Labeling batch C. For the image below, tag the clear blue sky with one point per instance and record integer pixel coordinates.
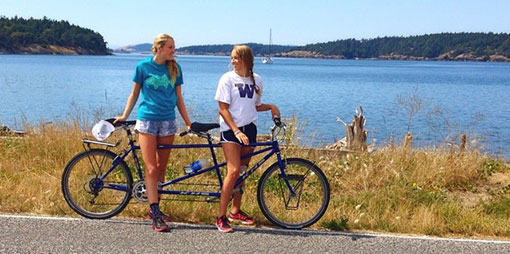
(294, 22)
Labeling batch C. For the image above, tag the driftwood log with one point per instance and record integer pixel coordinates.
(355, 137)
(5, 131)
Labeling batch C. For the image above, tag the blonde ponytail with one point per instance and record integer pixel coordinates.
(173, 70)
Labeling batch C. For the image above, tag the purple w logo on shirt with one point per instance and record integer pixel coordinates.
(245, 89)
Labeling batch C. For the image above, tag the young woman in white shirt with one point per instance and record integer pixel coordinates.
(239, 95)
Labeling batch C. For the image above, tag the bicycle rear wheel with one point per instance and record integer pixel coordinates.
(88, 194)
(297, 211)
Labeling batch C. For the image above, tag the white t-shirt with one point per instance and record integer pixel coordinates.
(239, 93)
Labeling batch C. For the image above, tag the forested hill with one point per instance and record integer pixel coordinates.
(46, 36)
(225, 49)
(443, 46)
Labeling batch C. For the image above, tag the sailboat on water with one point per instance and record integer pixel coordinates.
(268, 59)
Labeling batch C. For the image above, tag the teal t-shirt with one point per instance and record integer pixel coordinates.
(158, 92)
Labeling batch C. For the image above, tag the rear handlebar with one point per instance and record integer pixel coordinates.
(121, 124)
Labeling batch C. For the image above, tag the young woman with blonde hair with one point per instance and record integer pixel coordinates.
(158, 79)
(239, 96)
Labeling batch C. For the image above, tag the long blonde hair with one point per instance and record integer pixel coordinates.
(245, 55)
(160, 41)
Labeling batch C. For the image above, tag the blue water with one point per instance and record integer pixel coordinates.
(318, 91)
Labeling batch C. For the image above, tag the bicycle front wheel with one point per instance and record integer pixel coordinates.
(310, 199)
(89, 192)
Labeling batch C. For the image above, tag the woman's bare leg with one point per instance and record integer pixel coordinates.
(162, 157)
(148, 145)
(236, 201)
(233, 156)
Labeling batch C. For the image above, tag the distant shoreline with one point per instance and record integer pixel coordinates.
(313, 55)
(58, 50)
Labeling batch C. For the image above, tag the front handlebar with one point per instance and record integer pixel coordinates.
(277, 121)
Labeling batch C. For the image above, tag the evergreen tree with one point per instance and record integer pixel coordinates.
(16, 33)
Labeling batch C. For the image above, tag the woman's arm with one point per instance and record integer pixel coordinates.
(133, 97)
(182, 107)
(265, 107)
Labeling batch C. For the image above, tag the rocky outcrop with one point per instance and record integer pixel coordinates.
(471, 57)
(395, 56)
(52, 50)
(448, 56)
(306, 54)
(186, 52)
(499, 58)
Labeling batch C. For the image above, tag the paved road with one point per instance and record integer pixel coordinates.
(31, 234)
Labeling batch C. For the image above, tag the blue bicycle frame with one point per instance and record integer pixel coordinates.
(270, 147)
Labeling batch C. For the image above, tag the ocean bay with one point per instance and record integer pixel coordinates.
(455, 95)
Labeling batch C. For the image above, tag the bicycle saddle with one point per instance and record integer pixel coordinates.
(203, 127)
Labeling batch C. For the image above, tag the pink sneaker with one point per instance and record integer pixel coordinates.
(158, 224)
(165, 217)
(241, 217)
(223, 225)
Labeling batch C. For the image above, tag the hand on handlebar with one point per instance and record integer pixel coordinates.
(277, 121)
(119, 119)
(185, 132)
(275, 112)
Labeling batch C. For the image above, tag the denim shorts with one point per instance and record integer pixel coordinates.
(158, 129)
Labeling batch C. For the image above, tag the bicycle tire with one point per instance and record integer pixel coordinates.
(84, 192)
(312, 194)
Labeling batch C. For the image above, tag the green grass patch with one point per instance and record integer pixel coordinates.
(337, 225)
(499, 207)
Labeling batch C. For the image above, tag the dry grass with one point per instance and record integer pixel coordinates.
(423, 191)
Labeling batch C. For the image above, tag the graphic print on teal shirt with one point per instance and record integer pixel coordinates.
(159, 81)
(158, 97)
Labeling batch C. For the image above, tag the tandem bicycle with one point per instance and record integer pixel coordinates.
(97, 183)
